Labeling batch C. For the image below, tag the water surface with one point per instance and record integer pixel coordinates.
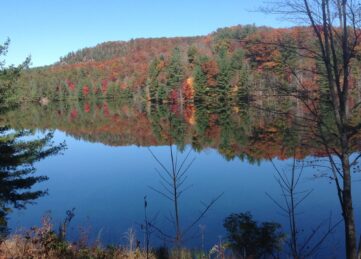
(108, 168)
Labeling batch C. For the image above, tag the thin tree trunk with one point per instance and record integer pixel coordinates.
(175, 199)
(293, 215)
(350, 229)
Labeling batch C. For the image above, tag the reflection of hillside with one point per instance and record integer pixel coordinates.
(242, 132)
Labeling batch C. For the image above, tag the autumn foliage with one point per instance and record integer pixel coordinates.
(225, 65)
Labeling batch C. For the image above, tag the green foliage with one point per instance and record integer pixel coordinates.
(224, 75)
(192, 54)
(200, 83)
(175, 72)
(236, 32)
(249, 239)
(152, 82)
(152, 69)
(8, 76)
(287, 60)
(241, 74)
(162, 93)
(224, 37)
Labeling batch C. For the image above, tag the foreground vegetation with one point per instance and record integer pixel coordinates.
(246, 239)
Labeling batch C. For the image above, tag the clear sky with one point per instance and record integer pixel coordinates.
(49, 29)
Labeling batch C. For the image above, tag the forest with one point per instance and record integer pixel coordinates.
(252, 93)
(229, 65)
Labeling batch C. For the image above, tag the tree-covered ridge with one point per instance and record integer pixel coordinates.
(135, 47)
(198, 76)
(118, 69)
(231, 64)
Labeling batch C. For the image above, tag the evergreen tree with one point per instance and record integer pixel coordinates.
(192, 54)
(17, 157)
(240, 73)
(152, 82)
(8, 76)
(224, 76)
(175, 71)
(200, 83)
(162, 93)
(247, 237)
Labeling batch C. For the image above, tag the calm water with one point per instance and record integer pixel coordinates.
(107, 169)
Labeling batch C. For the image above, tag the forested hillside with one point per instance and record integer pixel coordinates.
(231, 64)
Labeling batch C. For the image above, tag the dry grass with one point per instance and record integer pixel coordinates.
(44, 243)
(19, 246)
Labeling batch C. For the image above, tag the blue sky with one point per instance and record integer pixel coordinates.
(48, 29)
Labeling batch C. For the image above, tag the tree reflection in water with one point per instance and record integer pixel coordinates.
(19, 150)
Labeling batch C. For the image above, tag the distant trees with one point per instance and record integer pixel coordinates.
(224, 75)
(174, 69)
(241, 75)
(152, 69)
(152, 82)
(200, 83)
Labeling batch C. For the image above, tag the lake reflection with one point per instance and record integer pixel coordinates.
(107, 169)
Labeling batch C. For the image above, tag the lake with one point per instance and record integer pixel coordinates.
(110, 165)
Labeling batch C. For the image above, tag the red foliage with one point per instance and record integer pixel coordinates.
(85, 90)
(106, 109)
(210, 68)
(175, 109)
(104, 86)
(73, 113)
(174, 96)
(70, 85)
(87, 107)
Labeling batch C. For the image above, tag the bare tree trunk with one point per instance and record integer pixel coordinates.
(336, 25)
(348, 214)
(293, 214)
(178, 232)
(178, 235)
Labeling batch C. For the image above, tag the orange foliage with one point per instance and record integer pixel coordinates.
(210, 68)
(188, 89)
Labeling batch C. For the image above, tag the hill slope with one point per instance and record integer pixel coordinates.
(228, 64)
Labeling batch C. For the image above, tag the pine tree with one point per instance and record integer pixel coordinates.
(17, 157)
(224, 76)
(192, 54)
(200, 83)
(175, 71)
(8, 76)
(240, 74)
(152, 81)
